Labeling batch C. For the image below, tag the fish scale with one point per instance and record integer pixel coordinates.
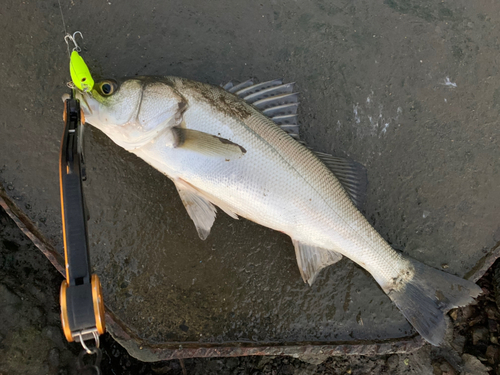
(305, 176)
(223, 152)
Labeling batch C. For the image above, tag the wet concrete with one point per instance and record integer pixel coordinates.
(408, 88)
(31, 338)
(32, 342)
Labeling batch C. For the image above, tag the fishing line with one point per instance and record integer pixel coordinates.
(80, 74)
(64, 25)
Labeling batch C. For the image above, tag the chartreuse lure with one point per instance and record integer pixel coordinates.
(80, 73)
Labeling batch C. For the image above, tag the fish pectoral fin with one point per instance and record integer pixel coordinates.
(199, 209)
(351, 175)
(312, 259)
(206, 144)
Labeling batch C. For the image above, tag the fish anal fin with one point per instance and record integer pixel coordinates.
(351, 175)
(206, 144)
(199, 209)
(312, 259)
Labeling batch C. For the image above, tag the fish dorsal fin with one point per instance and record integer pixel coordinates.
(351, 175)
(312, 259)
(279, 102)
(233, 88)
(275, 99)
(199, 209)
(206, 144)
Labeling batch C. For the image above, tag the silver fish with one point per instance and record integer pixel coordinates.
(236, 148)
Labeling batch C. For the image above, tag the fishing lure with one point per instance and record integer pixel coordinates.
(80, 73)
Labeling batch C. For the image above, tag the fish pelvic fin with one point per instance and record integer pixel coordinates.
(199, 209)
(428, 296)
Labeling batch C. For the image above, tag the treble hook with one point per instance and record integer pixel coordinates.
(73, 39)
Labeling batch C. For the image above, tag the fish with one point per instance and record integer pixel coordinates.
(236, 147)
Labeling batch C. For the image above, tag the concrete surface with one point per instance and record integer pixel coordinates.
(408, 88)
(32, 342)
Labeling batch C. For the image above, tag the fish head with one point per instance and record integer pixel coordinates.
(131, 112)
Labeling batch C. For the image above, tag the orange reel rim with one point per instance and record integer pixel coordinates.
(98, 305)
(64, 312)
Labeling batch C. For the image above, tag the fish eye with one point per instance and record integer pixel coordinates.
(107, 87)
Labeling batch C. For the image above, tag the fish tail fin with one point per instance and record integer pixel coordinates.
(425, 299)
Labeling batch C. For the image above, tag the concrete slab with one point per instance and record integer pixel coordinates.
(409, 89)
